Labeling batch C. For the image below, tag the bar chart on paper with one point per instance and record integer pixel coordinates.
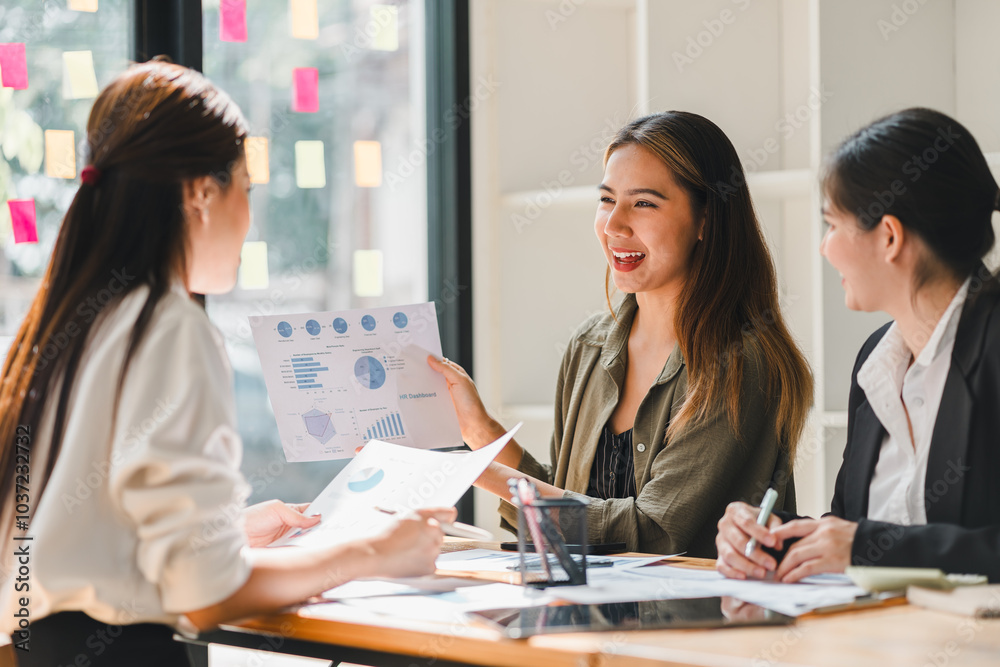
(306, 372)
(387, 428)
(338, 380)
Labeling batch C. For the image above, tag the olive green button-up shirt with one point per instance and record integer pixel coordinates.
(684, 484)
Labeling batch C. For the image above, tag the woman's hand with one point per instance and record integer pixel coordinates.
(478, 428)
(736, 527)
(825, 547)
(412, 545)
(267, 521)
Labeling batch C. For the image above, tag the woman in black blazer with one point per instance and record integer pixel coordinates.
(908, 201)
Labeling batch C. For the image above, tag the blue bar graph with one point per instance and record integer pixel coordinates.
(296, 360)
(390, 426)
(310, 386)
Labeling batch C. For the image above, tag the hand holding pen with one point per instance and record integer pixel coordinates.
(741, 530)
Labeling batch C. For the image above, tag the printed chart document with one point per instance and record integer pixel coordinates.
(395, 478)
(337, 380)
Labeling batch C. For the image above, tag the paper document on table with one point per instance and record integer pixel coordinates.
(370, 588)
(484, 560)
(669, 583)
(452, 607)
(338, 380)
(391, 477)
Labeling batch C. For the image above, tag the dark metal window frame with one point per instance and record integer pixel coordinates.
(174, 28)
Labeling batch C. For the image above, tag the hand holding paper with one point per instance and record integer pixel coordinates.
(400, 479)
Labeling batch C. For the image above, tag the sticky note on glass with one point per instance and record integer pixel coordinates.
(233, 20)
(22, 220)
(385, 20)
(79, 80)
(13, 66)
(310, 165)
(305, 89)
(83, 5)
(304, 19)
(60, 154)
(368, 273)
(257, 159)
(253, 265)
(367, 164)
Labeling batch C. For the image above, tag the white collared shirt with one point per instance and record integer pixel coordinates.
(896, 493)
(141, 518)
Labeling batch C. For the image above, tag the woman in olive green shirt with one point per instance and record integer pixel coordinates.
(690, 394)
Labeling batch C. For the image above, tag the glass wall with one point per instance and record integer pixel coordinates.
(336, 100)
(67, 55)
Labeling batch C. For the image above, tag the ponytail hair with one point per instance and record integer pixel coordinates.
(153, 128)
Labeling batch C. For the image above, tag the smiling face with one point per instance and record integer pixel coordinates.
(644, 223)
(855, 253)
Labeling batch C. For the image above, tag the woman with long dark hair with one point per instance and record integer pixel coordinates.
(908, 202)
(117, 411)
(691, 393)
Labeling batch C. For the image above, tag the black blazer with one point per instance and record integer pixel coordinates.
(962, 487)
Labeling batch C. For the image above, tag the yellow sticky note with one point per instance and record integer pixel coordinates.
(310, 165)
(368, 273)
(257, 159)
(60, 154)
(304, 19)
(367, 164)
(83, 5)
(385, 21)
(253, 265)
(79, 80)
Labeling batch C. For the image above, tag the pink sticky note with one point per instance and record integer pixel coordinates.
(306, 90)
(22, 217)
(233, 20)
(13, 66)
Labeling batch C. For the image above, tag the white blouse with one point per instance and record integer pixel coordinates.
(141, 519)
(890, 381)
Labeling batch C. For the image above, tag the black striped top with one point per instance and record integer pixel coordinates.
(613, 472)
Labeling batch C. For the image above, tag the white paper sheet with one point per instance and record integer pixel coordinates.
(451, 607)
(391, 477)
(337, 380)
(484, 560)
(369, 588)
(666, 583)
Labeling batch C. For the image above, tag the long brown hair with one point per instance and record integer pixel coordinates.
(729, 305)
(154, 127)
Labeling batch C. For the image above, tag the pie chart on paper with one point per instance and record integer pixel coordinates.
(365, 479)
(370, 372)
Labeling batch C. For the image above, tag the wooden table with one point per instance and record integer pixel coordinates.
(894, 635)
